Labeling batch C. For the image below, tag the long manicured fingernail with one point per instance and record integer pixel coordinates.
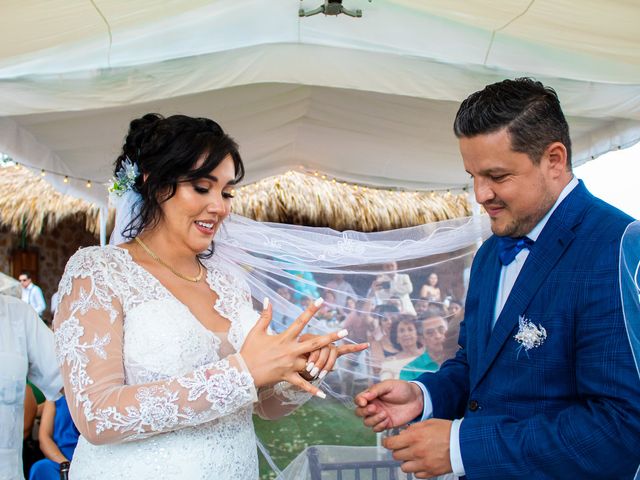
(318, 301)
(323, 374)
(265, 303)
(310, 366)
(343, 333)
(321, 394)
(314, 372)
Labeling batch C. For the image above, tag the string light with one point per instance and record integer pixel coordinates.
(65, 177)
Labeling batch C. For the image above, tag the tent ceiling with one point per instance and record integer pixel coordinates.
(369, 99)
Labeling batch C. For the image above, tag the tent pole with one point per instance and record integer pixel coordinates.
(102, 218)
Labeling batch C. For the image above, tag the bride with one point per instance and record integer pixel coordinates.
(163, 356)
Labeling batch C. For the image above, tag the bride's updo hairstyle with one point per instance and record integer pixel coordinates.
(167, 151)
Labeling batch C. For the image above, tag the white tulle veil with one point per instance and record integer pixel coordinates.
(630, 290)
(372, 284)
(630, 286)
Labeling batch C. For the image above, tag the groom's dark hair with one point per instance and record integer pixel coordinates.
(530, 111)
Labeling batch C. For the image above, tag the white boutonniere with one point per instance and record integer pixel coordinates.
(529, 336)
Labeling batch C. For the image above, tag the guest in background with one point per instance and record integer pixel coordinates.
(455, 306)
(341, 289)
(392, 284)
(26, 351)
(361, 325)
(58, 438)
(32, 294)
(455, 318)
(421, 306)
(304, 286)
(328, 311)
(405, 335)
(431, 290)
(434, 330)
(54, 304)
(381, 345)
(280, 322)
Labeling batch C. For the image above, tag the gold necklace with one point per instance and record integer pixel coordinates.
(162, 262)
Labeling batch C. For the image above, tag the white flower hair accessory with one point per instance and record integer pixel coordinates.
(529, 336)
(124, 180)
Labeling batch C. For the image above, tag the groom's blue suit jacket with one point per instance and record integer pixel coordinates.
(569, 408)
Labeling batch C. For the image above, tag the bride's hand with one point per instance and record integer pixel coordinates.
(321, 361)
(273, 358)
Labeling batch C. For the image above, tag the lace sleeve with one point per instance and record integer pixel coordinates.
(89, 346)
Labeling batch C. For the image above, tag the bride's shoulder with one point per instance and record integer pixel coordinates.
(86, 259)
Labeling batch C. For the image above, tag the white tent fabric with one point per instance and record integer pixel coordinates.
(368, 99)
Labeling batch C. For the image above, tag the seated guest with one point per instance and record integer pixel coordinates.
(431, 290)
(406, 335)
(58, 439)
(433, 329)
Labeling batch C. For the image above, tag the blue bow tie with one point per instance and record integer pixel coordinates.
(510, 247)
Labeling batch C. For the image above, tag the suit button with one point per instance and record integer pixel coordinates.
(474, 405)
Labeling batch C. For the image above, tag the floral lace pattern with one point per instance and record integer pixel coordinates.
(154, 372)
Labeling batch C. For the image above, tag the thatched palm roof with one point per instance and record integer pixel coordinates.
(309, 199)
(294, 197)
(30, 201)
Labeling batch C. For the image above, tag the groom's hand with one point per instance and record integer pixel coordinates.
(389, 404)
(423, 448)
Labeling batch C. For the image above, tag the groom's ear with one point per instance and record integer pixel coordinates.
(556, 159)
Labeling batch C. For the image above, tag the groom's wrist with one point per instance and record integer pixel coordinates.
(423, 405)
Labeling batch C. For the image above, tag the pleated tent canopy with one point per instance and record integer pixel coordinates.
(368, 100)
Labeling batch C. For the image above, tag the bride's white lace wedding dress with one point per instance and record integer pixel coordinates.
(154, 393)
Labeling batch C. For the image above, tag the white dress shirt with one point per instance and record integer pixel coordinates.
(34, 297)
(508, 277)
(26, 351)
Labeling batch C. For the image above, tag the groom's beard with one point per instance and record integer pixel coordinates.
(519, 225)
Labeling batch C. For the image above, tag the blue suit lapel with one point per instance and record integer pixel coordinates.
(487, 298)
(554, 240)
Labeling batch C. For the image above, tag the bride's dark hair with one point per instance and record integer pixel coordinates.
(167, 151)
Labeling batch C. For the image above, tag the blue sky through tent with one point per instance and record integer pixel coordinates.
(615, 178)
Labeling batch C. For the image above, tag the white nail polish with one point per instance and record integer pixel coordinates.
(265, 303)
(323, 374)
(310, 366)
(321, 394)
(343, 333)
(318, 301)
(314, 372)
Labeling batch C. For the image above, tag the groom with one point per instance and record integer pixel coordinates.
(544, 385)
